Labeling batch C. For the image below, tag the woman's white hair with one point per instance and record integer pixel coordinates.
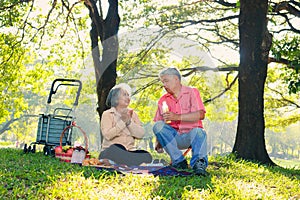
(124, 86)
(114, 93)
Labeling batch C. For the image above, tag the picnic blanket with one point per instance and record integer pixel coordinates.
(150, 170)
(158, 167)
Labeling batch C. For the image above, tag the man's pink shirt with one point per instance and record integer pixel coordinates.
(188, 101)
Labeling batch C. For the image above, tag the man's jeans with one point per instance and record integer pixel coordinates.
(173, 142)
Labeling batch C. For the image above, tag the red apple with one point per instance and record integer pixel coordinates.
(58, 149)
(70, 151)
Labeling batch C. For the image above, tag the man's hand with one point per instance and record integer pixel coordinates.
(188, 117)
(170, 116)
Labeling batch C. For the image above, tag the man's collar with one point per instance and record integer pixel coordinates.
(183, 90)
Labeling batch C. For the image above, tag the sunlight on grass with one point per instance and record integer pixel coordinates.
(35, 176)
(294, 164)
(114, 186)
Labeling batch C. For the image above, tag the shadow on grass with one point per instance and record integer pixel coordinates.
(288, 172)
(291, 173)
(172, 187)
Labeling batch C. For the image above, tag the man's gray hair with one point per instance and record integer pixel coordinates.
(112, 99)
(170, 71)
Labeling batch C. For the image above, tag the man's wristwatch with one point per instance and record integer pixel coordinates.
(128, 122)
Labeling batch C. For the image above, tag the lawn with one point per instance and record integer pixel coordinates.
(35, 176)
(287, 163)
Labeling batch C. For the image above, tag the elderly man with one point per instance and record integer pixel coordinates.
(180, 125)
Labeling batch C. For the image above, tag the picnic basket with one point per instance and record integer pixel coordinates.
(79, 153)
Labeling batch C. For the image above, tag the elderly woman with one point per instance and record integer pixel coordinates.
(120, 127)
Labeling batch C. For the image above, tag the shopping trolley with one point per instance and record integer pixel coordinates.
(51, 126)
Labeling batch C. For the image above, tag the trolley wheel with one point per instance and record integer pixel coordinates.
(47, 150)
(52, 152)
(33, 150)
(25, 148)
(29, 149)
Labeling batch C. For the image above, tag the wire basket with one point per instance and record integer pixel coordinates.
(79, 153)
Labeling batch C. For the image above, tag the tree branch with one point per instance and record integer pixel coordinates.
(207, 68)
(97, 20)
(285, 99)
(193, 22)
(284, 61)
(6, 126)
(69, 9)
(13, 5)
(290, 9)
(146, 85)
(224, 91)
(285, 5)
(225, 3)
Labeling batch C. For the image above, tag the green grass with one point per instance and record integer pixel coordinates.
(287, 163)
(35, 176)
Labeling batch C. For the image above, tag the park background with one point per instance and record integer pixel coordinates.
(60, 49)
(41, 44)
(225, 48)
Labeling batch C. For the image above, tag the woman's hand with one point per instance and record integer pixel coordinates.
(126, 115)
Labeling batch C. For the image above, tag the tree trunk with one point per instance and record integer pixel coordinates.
(250, 141)
(105, 64)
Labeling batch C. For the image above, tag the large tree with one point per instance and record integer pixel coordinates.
(105, 29)
(255, 44)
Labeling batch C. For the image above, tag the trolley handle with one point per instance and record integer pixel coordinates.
(62, 110)
(72, 83)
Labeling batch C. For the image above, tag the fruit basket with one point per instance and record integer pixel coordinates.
(73, 154)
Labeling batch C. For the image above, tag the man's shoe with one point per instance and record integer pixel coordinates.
(181, 165)
(199, 168)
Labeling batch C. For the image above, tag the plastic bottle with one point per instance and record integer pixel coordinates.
(165, 108)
